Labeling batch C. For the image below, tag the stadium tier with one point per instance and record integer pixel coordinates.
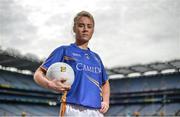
(21, 95)
(146, 83)
(138, 96)
(27, 110)
(146, 96)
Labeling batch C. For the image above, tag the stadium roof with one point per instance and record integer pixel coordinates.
(13, 58)
(141, 69)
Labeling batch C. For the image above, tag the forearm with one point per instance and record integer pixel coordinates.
(40, 78)
(106, 92)
(43, 81)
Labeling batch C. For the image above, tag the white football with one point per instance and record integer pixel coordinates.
(60, 70)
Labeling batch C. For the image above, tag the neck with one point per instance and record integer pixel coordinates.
(82, 45)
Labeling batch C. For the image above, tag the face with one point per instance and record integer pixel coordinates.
(84, 29)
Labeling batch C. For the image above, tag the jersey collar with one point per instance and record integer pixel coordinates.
(75, 45)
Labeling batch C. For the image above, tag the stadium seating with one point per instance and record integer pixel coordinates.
(29, 110)
(145, 96)
(159, 82)
(37, 103)
(18, 80)
(21, 96)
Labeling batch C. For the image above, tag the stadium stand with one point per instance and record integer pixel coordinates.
(20, 95)
(23, 81)
(146, 95)
(138, 96)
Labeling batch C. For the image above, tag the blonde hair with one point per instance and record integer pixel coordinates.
(83, 14)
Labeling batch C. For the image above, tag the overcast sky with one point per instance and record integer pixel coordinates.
(127, 32)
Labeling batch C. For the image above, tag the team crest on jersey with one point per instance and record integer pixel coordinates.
(87, 56)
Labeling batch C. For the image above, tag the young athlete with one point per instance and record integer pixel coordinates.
(90, 91)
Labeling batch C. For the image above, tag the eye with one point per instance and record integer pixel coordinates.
(80, 25)
(90, 26)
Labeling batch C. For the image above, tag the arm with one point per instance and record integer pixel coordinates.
(56, 85)
(105, 95)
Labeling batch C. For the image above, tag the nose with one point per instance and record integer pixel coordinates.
(85, 28)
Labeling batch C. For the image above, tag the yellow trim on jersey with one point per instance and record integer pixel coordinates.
(95, 82)
(63, 104)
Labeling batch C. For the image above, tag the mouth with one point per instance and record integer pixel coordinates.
(84, 35)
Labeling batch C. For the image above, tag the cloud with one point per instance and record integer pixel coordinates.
(138, 31)
(126, 32)
(16, 30)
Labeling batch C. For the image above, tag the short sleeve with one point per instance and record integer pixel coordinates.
(104, 74)
(55, 56)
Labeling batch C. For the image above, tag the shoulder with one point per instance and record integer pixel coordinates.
(58, 50)
(61, 48)
(96, 55)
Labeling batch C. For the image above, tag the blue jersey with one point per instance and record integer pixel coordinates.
(90, 74)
